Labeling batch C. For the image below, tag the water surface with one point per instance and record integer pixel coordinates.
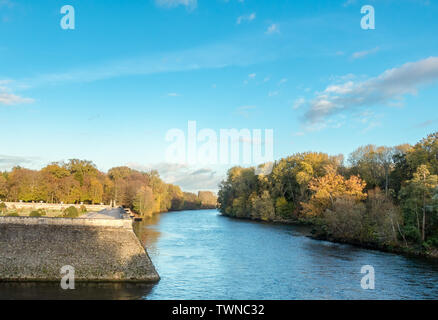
(203, 255)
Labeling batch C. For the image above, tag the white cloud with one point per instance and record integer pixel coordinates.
(273, 28)
(173, 94)
(387, 88)
(212, 56)
(190, 179)
(426, 123)
(191, 4)
(282, 81)
(349, 2)
(362, 54)
(248, 18)
(8, 162)
(251, 76)
(8, 98)
(298, 103)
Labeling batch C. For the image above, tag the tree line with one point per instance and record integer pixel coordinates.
(79, 181)
(383, 196)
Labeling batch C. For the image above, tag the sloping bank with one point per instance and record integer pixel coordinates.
(104, 250)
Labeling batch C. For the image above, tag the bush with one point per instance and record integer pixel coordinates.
(432, 242)
(283, 208)
(412, 233)
(37, 213)
(345, 220)
(83, 209)
(71, 212)
(3, 207)
(13, 214)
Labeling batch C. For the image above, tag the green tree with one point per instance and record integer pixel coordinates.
(283, 208)
(418, 196)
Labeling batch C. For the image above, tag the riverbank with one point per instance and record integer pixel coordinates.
(313, 233)
(100, 250)
(409, 250)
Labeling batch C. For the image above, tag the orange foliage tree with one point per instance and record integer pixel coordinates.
(330, 187)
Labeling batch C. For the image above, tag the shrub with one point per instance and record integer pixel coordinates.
(283, 208)
(83, 209)
(13, 214)
(37, 213)
(412, 233)
(433, 242)
(71, 212)
(345, 220)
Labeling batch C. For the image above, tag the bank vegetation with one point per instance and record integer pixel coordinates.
(383, 197)
(79, 181)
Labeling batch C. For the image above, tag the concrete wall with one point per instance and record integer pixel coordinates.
(35, 249)
(53, 206)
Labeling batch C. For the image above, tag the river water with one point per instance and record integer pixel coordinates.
(203, 255)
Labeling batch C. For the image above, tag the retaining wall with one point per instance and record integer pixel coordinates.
(35, 249)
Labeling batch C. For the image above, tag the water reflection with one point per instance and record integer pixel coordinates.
(147, 233)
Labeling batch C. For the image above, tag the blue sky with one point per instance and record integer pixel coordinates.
(110, 89)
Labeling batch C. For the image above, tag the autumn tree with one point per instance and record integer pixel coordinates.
(144, 201)
(328, 188)
(208, 199)
(3, 187)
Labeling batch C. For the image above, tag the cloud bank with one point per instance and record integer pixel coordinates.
(188, 178)
(8, 162)
(388, 88)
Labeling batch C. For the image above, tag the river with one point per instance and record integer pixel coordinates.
(203, 255)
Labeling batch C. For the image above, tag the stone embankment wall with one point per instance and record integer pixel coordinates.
(35, 249)
(53, 206)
